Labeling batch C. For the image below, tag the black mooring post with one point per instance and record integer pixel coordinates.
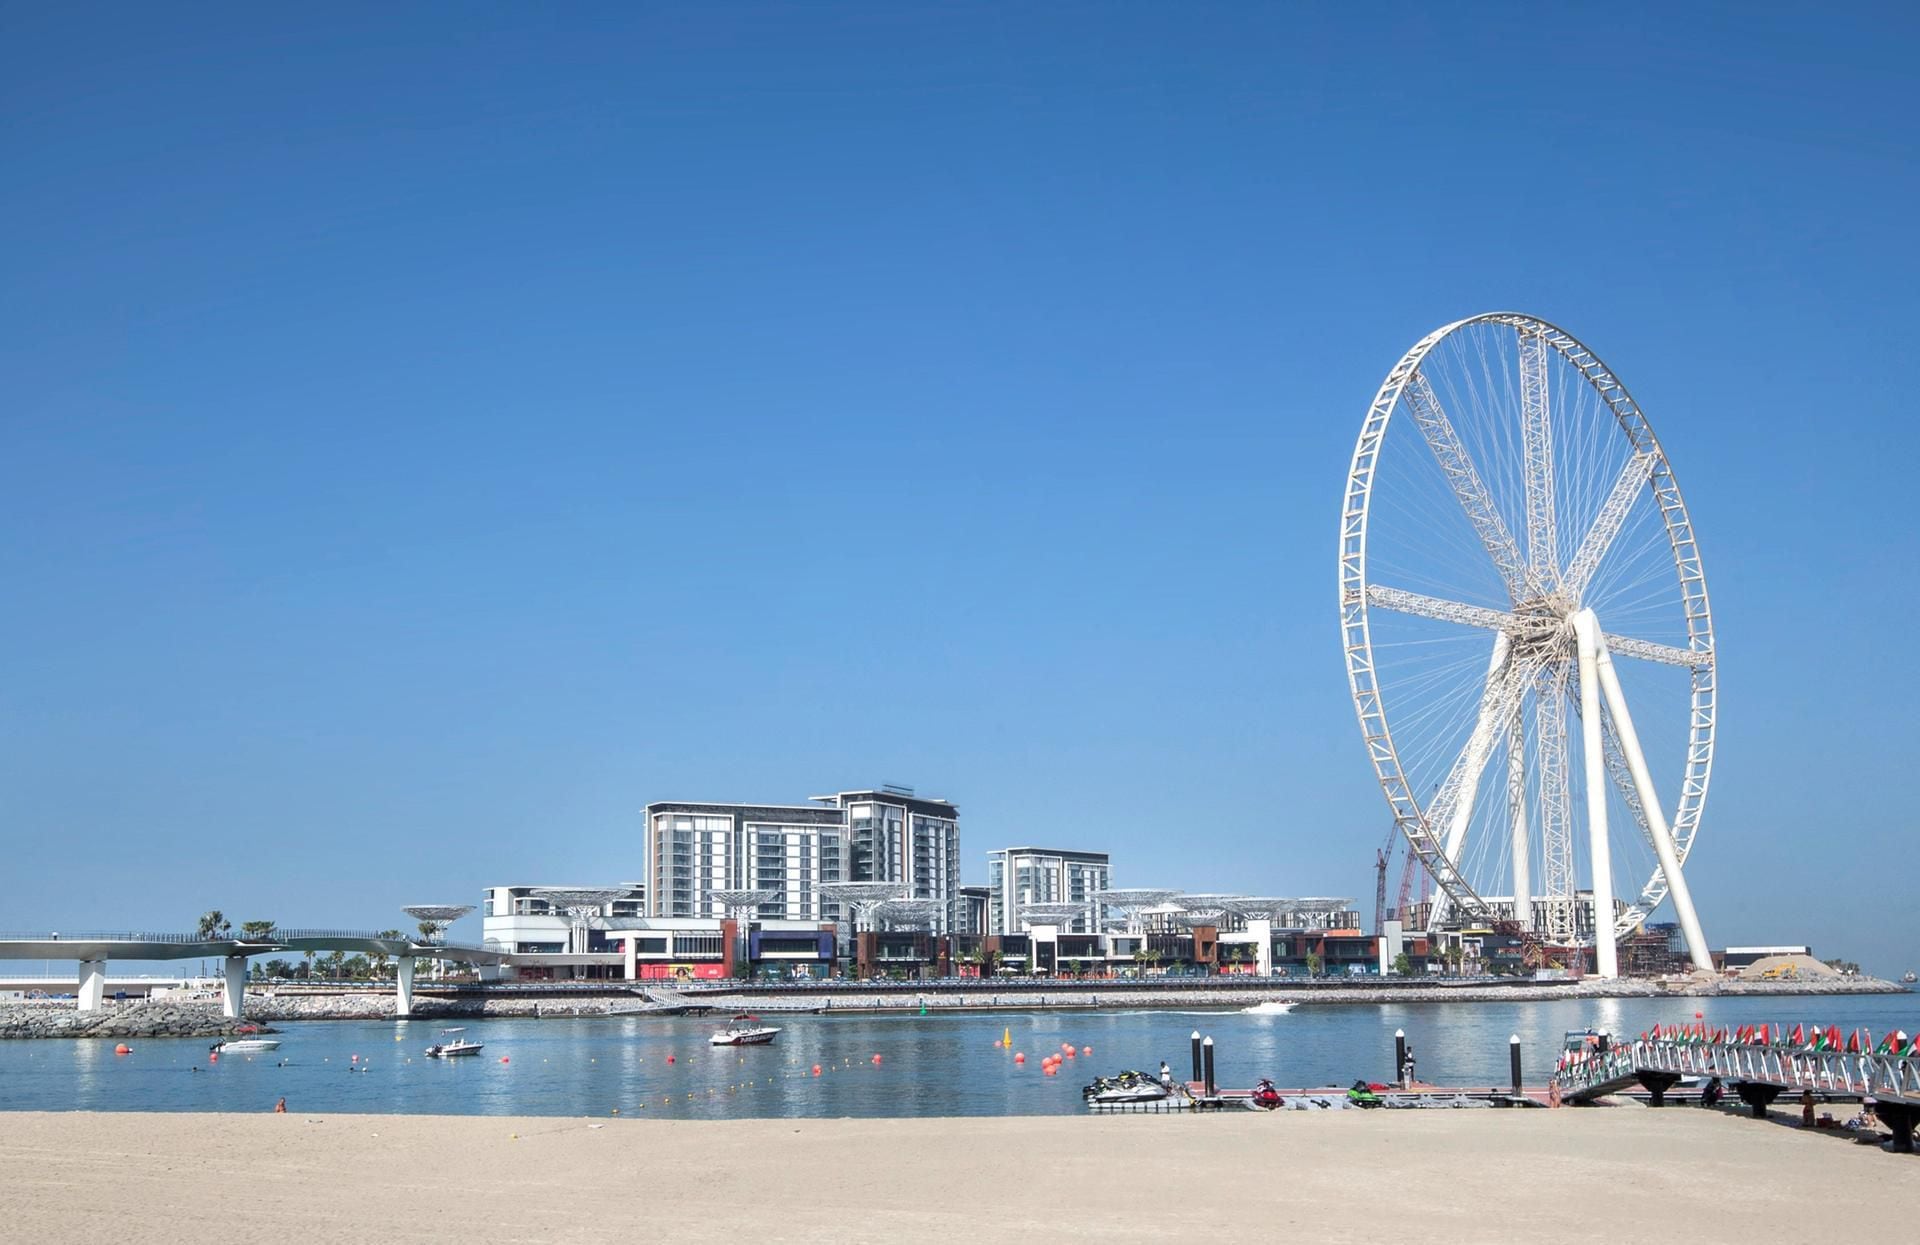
(1400, 1058)
(1206, 1055)
(1196, 1057)
(1513, 1061)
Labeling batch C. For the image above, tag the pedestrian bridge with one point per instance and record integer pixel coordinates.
(1759, 1069)
(93, 951)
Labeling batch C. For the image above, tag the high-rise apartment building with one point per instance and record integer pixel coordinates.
(695, 849)
(1017, 876)
(895, 836)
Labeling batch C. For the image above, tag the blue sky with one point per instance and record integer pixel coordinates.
(427, 436)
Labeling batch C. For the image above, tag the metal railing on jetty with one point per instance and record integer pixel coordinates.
(1760, 1066)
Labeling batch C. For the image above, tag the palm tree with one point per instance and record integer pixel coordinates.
(380, 957)
(306, 969)
(429, 931)
(256, 931)
(214, 924)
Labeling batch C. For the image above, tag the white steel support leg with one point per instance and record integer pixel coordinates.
(1480, 744)
(233, 994)
(1656, 820)
(1463, 784)
(1586, 633)
(1517, 817)
(93, 984)
(403, 988)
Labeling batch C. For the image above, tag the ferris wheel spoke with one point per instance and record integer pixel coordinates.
(1464, 478)
(1537, 436)
(1417, 603)
(1666, 654)
(1613, 516)
(1556, 816)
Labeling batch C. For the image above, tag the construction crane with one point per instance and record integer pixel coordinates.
(1380, 858)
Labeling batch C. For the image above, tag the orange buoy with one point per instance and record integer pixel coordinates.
(1052, 1069)
(876, 1059)
(1069, 1052)
(123, 1049)
(1086, 1050)
(503, 1059)
(1020, 1057)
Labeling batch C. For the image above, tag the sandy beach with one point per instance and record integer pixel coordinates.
(1607, 1174)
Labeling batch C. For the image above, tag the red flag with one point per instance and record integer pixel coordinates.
(1833, 1037)
(1761, 1037)
(1853, 1042)
(1798, 1036)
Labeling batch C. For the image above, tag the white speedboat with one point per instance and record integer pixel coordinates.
(452, 1046)
(1268, 1009)
(745, 1031)
(246, 1046)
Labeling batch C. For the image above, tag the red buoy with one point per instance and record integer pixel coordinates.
(1052, 1069)
(1019, 1057)
(503, 1059)
(876, 1059)
(669, 1058)
(816, 1069)
(123, 1049)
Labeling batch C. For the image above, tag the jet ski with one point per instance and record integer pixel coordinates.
(1127, 1087)
(1265, 1097)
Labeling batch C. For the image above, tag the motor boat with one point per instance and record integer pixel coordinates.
(1126, 1088)
(745, 1030)
(1909, 977)
(1268, 1008)
(453, 1046)
(246, 1046)
(1265, 1097)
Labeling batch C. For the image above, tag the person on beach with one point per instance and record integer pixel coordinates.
(280, 1108)
(1166, 1074)
(1806, 1108)
(1553, 1093)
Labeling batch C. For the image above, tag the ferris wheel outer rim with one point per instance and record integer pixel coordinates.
(1368, 697)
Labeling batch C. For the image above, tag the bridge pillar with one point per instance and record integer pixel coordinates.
(233, 995)
(1757, 1095)
(1657, 1084)
(403, 988)
(93, 984)
(1900, 1117)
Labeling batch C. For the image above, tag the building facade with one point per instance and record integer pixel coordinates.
(892, 835)
(975, 903)
(696, 849)
(1017, 876)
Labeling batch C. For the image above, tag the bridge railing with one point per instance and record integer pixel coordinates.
(1858, 1072)
(89, 935)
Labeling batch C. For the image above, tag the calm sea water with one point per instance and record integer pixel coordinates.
(931, 1065)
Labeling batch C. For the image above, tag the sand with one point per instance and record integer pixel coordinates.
(1590, 1175)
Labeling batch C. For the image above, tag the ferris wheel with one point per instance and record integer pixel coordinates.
(1511, 528)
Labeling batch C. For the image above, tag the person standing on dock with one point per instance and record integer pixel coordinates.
(1166, 1075)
